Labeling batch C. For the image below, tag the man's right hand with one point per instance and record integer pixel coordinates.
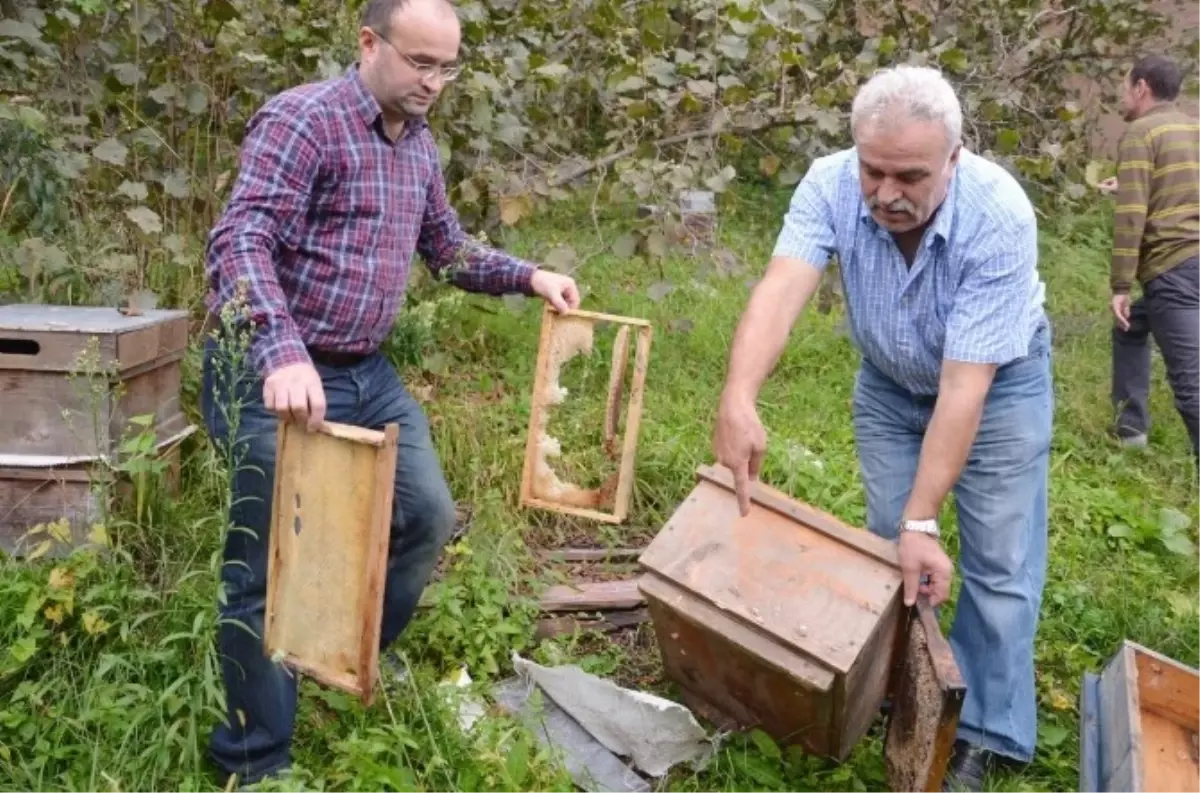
(740, 443)
(295, 393)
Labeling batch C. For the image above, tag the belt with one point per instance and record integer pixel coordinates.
(337, 360)
(331, 358)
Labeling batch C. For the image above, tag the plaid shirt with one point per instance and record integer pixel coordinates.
(324, 220)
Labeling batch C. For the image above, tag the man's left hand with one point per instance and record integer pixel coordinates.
(921, 555)
(556, 289)
(1120, 310)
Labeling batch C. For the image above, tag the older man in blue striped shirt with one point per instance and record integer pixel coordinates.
(938, 254)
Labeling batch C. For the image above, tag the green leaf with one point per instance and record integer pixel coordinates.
(195, 99)
(1051, 735)
(221, 10)
(1008, 140)
(733, 47)
(1180, 544)
(145, 219)
(625, 246)
(176, 185)
(562, 259)
(135, 190)
(1120, 531)
(954, 59)
(554, 70)
(111, 151)
(128, 73)
(1172, 521)
(765, 745)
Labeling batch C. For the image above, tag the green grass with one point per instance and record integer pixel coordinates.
(120, 690)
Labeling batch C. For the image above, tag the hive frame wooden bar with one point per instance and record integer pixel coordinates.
(633, 415)
(921, 729)
(328, 550)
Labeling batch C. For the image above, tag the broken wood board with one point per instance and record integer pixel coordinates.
(593, 596)
(328, 552)
(1139, 721)
(607, 622)
(927, 698)
(565, 336)
(593, 554)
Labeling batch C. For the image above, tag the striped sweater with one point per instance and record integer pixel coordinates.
(1157, 223)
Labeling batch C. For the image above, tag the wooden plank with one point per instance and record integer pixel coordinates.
(773, 499)
(328, 551)
(1120, 724)
(616, 381)
(159, 342)
(46, 351)
(1167, 687)
(615, 319)
(593, 554)
(609, 622)
(535, 481)
(593, 596)
(1089, 734)
(633, 422)
(1170, 759)
(927, 700)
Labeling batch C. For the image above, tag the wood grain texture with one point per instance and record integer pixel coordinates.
(772, 621)
(1120, 725)
(593, 596)
(328, 552)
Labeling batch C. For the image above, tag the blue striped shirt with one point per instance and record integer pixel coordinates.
(973, 292)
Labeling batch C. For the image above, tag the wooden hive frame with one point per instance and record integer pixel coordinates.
(328, 552)
(565, 335)
(927, 692)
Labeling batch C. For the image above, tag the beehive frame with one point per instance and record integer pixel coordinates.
(330, 523)
(563, 336)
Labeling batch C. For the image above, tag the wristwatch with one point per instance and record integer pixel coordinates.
(929, 527)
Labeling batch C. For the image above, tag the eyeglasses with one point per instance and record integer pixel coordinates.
(424, 70)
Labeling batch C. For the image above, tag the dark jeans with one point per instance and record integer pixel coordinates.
(1169, 309)
(261, 695)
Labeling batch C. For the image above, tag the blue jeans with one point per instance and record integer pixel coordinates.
(1001, 502)
(261, 695)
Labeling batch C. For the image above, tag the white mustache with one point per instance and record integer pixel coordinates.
(899, 205)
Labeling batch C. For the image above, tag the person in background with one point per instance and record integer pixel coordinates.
(340, 184)
(938, 250)
(1156, 241)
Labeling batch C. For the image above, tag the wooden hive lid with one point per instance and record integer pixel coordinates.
(51, 338)
(806, 579)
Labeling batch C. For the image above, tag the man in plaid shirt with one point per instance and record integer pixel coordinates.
(340, 184)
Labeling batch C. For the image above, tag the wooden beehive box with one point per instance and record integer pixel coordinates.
(70, 380)
(1139, 720)
(47, 412)
(790, 621)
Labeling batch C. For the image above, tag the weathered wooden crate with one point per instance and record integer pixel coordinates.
(793, 622)
(1139, 720)
(328, 552)
(33, 496)
(71, 377)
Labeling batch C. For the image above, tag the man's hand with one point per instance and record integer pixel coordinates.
(295, 393)
(557, 290)
(921, 555)
(740, 443)
(1120, 310)
(1108, 186)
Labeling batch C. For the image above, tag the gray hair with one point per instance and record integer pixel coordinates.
(912, 92)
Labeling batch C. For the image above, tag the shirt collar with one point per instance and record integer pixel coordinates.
(364, 103)
(942, 220)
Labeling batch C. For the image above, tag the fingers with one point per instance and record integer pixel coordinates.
(741, 485)
(910, 572)
(572, 295)
(316, 407)
(757, 453)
